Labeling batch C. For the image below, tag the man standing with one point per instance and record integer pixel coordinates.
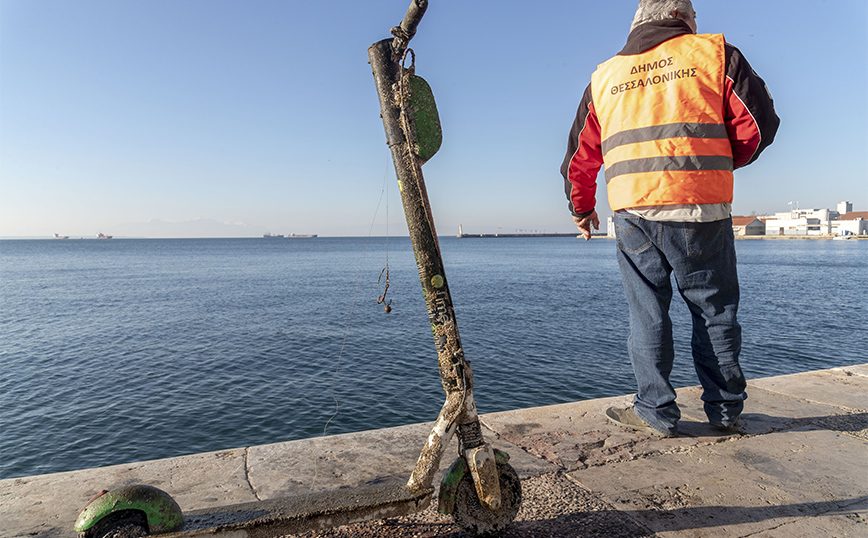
(671, 116)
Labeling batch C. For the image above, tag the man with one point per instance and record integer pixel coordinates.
(671, 116)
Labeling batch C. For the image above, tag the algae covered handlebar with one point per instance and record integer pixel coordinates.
(407, 28)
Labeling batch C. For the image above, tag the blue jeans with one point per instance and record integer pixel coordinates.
(702, 257)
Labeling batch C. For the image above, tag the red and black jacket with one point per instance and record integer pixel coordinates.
(750, 118)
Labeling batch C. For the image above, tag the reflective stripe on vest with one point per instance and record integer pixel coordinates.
(661, 116)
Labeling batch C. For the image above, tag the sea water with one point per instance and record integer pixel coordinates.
(123, 350)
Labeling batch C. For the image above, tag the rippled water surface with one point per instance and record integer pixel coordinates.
(126, 350)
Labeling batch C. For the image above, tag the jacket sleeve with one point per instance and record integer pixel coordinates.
(584, 159)
(750, 117)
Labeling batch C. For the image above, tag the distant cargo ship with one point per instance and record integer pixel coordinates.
(103, 236)
(58, 236)
(301, 235)
(269, 235)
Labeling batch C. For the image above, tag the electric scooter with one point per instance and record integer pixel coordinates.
(480, 490)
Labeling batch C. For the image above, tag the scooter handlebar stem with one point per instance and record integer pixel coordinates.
(407, 29)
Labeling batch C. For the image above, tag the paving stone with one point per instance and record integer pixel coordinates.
(842, 387)
(750, 485)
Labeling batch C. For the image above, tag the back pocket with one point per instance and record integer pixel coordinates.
(705, 239)
(631, 238)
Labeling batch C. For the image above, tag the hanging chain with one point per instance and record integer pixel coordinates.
(382, 298)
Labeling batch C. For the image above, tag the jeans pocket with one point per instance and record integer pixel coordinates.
(631, 238)
(705, 239)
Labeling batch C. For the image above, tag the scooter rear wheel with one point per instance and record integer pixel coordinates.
(123, 524)
(479, 521)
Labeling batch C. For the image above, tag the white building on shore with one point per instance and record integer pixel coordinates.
(851, 223)
(786, 224)
(817, 222)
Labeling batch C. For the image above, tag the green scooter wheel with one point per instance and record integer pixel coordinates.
(148, 507)
(123, 524)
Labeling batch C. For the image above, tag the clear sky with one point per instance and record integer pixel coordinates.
(168, 118)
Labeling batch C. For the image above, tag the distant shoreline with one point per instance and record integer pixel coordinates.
(849, 237)
(484, 236)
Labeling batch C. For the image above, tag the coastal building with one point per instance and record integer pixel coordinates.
(840, 221)
(851, 223)
(796, 225)
(845, 207)
(802, 222)
(748, 226)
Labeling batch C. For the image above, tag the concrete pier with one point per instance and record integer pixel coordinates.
(798, 466)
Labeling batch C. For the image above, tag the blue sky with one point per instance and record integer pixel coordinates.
(166, 118)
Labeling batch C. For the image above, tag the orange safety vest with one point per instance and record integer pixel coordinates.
(661, 116)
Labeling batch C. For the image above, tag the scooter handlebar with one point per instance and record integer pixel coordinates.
(414, 15)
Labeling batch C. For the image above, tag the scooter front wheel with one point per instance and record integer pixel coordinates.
(479, 521)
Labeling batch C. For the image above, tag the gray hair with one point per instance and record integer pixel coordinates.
(658, 10)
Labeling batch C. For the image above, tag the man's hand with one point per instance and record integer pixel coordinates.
(584, 224)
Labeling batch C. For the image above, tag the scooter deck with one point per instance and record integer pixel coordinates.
(274, 517)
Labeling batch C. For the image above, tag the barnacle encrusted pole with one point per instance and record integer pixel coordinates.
(407, 109)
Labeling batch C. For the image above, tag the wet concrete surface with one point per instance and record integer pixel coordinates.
(797, 466)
